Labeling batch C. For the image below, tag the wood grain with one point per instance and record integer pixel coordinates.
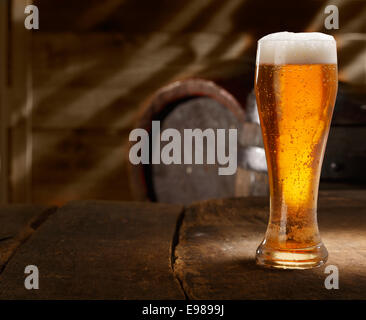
(218, 239)
(17, 224)
(99, 250)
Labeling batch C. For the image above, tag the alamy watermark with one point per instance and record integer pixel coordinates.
(171, 153)
(31, 281)
(332, 20)
(32, 20)
(331, 281)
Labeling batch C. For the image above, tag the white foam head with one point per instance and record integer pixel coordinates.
(297, 48)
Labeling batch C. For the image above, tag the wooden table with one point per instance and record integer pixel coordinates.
(140, 250)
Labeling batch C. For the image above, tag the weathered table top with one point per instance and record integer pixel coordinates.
(131, 250)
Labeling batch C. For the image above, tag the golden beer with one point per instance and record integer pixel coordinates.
(296, 85)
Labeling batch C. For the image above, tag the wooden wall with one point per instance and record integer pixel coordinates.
(94, 62)
(3, 109)
(16, 103)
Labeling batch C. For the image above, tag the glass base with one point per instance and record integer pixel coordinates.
(305, 258)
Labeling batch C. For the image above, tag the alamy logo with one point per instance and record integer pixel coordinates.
(171, 153)
(32, 280)
(32, 20)
(331, 281)
(332, 20)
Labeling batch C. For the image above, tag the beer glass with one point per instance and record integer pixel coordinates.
(296, 85)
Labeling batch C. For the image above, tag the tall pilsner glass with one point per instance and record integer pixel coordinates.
(296, 85)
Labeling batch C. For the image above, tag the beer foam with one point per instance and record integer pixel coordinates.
(297, 48)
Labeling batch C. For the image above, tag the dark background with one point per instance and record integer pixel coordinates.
(92, 63)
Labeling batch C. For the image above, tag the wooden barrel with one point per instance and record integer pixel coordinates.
(200, 104)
